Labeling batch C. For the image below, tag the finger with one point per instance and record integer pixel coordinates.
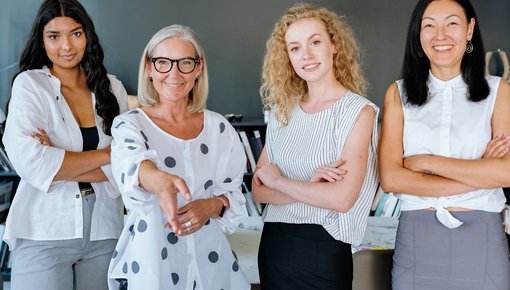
(338, 163)
(500, 152)
(182, 188)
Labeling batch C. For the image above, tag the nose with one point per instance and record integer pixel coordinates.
(66, 43)
(440, 33)
(307, 53)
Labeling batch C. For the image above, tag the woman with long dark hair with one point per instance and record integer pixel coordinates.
(66, 216)
(444, 151)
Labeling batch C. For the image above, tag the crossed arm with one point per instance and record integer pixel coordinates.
(330, 187)
(429, 175)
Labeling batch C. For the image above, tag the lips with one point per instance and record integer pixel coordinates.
(311, 67)
(442, 47)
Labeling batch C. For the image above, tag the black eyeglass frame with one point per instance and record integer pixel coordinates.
(154, 59)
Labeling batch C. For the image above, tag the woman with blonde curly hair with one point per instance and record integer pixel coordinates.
(318, 171)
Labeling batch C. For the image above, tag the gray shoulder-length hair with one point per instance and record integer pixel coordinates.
(147, 94)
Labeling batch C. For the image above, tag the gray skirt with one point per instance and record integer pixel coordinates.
(430, 256)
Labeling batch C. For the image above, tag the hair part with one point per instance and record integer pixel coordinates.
(147, 94)
(416, 65)
(282, 88)
(34, 55)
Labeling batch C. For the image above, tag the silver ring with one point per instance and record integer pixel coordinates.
(187, 224)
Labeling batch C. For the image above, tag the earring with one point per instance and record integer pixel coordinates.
(469, 47)
(150, 79)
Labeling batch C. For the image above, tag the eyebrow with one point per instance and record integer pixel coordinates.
(449, 16)
(56, 32)
(311, 36)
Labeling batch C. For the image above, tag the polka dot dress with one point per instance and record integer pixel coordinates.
(151, 256)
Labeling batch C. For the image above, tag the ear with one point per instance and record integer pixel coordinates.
(471, 28)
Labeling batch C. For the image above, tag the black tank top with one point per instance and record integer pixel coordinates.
(90, 138)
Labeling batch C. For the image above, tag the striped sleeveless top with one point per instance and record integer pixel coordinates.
(310, 141)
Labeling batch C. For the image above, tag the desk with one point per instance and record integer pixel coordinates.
(381, 232)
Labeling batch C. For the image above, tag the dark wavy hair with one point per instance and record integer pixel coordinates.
(34, 56)
(415, 68)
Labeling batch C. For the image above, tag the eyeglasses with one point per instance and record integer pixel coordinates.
(184, 65)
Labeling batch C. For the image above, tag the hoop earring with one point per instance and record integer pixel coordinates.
(469, 47)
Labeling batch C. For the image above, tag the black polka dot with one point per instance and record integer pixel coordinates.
(146, 145)
(235, 266)
(143, 135)
(120, 124)
(208, 184)
(194, 284)
(164, 253)
(227, 180)
(131, 147)
(142, 226)
(222, 127)
(125, 268)
(135, 267)
(127, 140)
(213, 257)
(115, 253)
(132, 169)
(131, 227)
(204, 148)
(134, 112)
(122, 176)
(170, 162)
(207, 222)
(235, 255)
(172, 238)
(175, 278)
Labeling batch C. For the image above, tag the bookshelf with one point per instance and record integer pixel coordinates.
(253, 136)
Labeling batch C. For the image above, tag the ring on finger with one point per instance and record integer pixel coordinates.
(188, 224)
(188, 229)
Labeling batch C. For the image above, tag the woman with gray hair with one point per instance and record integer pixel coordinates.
(179, 168)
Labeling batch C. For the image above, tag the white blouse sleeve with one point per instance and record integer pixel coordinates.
(229, 178)
(35, 163)
(129, 150)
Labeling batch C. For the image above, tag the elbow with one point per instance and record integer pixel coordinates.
(344, 207)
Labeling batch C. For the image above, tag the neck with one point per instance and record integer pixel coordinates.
(445, 74)
(69, 77)
(324, 91)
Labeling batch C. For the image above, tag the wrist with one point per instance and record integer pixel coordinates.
(224, 204)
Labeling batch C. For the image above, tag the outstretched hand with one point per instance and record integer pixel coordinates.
(170, 186)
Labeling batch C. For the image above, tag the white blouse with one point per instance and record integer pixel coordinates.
(44, 209)
(151, 256)
(310, 141)
(450, 125)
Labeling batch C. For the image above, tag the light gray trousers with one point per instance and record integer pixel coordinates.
(78, 264)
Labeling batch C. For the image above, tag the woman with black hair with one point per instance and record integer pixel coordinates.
(66, 216)
(444, 149)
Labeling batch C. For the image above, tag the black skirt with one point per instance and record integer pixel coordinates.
(303, 256)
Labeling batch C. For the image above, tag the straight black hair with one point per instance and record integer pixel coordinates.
(34, 55)
(415, 68)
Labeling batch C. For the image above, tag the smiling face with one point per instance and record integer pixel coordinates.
(444, 33)
(310, 50)
(64, 41)
(174, 85)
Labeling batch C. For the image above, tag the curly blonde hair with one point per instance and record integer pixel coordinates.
(282, 88)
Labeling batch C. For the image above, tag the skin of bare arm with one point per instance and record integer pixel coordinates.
(339, 195)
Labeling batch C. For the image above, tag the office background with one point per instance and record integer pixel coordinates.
(233, 33)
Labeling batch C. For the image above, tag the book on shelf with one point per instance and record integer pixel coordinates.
(386, 205)
(252, 207)
(247, 148)
(5, 163)
(256, 144)
(5, 194)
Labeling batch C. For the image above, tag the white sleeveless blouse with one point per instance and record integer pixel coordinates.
(450, 125)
